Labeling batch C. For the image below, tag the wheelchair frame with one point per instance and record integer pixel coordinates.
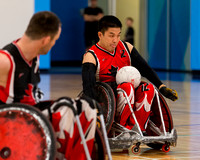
(161, 139)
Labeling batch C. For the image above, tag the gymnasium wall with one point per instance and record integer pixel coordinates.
(45, 60)
(15, 15)
(169, 34)
(14, 18)
(129, 8)
(172, 41)
(195, 35)
(70, 45)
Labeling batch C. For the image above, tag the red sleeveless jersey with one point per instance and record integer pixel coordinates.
(23, 77)
(108, 63)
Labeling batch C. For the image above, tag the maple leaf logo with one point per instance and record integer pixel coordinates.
(72, 147)
(64, 142)
(28, 98)
(113, 71)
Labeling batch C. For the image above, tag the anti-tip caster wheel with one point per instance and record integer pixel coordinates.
(136, 149)
(165, 148)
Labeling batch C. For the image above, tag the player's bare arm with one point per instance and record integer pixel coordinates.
(89, 58)
(91, 18)
(130, 46)
(4, 69)
(99, 16)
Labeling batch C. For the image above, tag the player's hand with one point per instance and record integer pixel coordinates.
(169, 93)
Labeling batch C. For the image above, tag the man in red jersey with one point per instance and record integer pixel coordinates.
(101, 62)
(19, 69)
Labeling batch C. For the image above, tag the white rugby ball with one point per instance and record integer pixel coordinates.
(128, 74)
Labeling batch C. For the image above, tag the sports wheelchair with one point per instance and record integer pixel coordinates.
(26, 133)
(161, 133)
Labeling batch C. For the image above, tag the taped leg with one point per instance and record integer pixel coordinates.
(123, 111)
(143, 100)
(140, 100)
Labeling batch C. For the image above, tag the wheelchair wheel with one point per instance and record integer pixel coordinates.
(155, 118)
(25, 133)
(99, 150)
(106, 98)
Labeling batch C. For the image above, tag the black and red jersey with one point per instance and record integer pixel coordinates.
(23, 77)
(108, 63)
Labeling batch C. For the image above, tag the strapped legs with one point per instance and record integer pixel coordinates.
(140, 99)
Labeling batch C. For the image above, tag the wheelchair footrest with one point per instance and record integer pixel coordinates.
(128, 138)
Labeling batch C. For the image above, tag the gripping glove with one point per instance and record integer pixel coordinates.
(169, 93)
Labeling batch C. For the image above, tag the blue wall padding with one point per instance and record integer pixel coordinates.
(178, 57)
(157, 28)
(179, 33)
(70, 46)
(42, 5)
(195, 35)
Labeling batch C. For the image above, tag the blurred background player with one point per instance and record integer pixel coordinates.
(130, 32)
(91, 16)
(101, 63)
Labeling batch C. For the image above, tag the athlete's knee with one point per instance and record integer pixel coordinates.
(151, 87)
(147, 88)
(122, 99)
(127, 87)
(151, 91)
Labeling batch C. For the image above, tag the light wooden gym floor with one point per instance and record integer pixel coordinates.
(185, 112)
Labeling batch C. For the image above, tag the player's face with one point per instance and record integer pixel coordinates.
(45, 49)
(110, 38)
(93, 3)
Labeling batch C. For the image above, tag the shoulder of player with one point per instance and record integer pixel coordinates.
(4, 61)
(130, 46)
(89, 57)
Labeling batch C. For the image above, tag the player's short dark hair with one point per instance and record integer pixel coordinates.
(44, 23)
(108, 22)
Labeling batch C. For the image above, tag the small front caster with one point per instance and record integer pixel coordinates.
(165, 148)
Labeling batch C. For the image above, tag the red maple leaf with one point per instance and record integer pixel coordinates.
(29, 98)
(72, 147)
(56, 117)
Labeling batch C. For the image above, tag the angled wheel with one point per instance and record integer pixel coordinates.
(25, 133)
(106, 98)
(156, 120)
